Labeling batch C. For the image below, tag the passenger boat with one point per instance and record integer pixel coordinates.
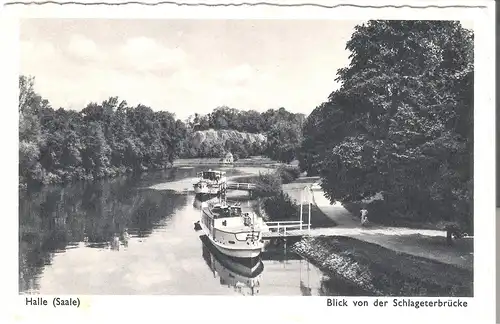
(244, 277)
(231, 231)
(210, 183)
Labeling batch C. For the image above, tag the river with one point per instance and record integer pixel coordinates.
(135, 235)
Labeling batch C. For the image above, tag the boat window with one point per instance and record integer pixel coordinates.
(236, 211)
(225, 212)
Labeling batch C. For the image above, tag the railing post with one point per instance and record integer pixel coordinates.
(309, 223)
(301, 202)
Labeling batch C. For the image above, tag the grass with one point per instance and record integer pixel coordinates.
(318, 218)
(381, 218)
(381, 271)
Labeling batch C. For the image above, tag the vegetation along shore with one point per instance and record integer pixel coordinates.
(395, 138)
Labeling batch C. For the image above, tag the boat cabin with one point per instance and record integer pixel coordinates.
(211, 175)
(220, 211)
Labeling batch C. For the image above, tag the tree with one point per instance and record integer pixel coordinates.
(406, 104)
(30, 134)
(284, 139)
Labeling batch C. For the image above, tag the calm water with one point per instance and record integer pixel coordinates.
(135, 235)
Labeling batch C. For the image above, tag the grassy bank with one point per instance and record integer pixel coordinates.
(278, 205)
(379, 216)
(380, 271)
(275, 204)
(380, 213)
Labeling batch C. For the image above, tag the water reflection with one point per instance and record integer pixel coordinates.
(243, 200)
(90, 238)
(102, 214)
(243, 276)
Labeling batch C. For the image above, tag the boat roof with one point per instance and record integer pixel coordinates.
(214, 171)
(213, 213)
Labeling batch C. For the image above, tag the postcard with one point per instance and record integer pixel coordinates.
(219, 162)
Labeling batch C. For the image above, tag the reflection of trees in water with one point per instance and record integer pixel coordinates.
(55, 218)
(154, 210)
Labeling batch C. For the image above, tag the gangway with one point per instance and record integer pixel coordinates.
(241, 186)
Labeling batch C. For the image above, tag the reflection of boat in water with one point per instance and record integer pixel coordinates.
(243, 275)
(199, 202)
(210, 183)
(231, 231)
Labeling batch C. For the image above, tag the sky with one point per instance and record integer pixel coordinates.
(186, 66)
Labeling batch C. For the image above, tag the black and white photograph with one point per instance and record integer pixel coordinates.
(246, 157)
(330, 159)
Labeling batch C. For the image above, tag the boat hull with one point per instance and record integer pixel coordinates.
(242, 266)
(250, 253)
(240, 251)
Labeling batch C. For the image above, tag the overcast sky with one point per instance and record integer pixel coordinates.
(186, 66)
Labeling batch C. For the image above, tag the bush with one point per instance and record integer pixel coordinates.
(288, 174)
(280, 207)
(268, 184)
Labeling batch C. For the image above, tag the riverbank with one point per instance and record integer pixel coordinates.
(384, 260)
(259, 161)
(64, 177)
(419, 242)
(383, 272)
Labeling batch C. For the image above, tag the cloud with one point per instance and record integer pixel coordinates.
(36, 51)
(146, 54)
(238, 75)
(83, 48)
(149, 71)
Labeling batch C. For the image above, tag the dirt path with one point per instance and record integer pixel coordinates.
(418, 242)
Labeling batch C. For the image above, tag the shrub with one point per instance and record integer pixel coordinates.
(280, 207)
(268, 184)
(288, 174)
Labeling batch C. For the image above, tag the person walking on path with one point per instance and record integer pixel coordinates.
(364, 217)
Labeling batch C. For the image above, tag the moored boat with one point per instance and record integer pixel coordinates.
(210, 183)
(233, 232)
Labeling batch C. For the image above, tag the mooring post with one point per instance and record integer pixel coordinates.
(284, 250)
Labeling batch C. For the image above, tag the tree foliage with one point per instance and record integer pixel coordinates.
(282, 129)
(401, 122)
(110, 138)
(102, 140)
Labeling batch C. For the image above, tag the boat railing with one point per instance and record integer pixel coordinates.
(284, 226)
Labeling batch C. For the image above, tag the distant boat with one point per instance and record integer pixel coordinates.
(231, 231)
(210, 183)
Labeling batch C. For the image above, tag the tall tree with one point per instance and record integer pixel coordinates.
(406, 101)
